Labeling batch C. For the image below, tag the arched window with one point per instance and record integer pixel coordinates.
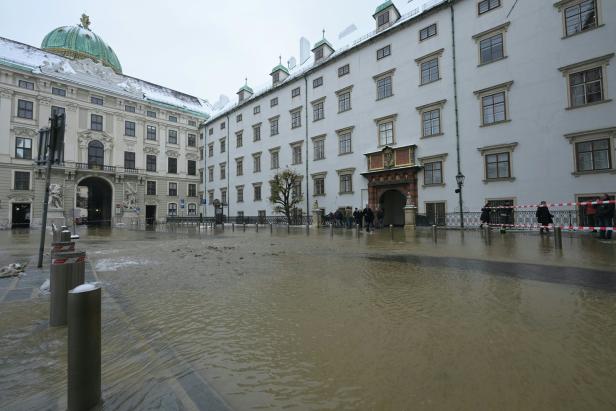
(96, 154)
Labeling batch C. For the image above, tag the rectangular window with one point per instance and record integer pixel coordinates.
(28, 85)
(130, 109)
(383, 19)
(297, 154)
(384, 88)
(173, 137)
(223, 171)
(129, 160)
(129, 128)
(433, 173)
(21, 180)
(346, 183)
(486, 5)
(192, 190)
(318, 112)
(173, 189)
(192, 208)
(173, 119)
(173, 209)
(274, 102)
(150, 162)
(96, 122)
(319, 186)
(223, 195)
(256, 110)
(295, 92)
(257, 193)
(593, 155)
(318, 54)
(491, 49)
(151, 188)
(210, 196)
(193, 123)
(239, 167)
(239, 139)
(172, 165)
(151, 133)
(240, 195)
(344, 143)
(344, 101)
(386, 133)
(223, 125)
(273, 127)
(96, 100)
(319, 149)
(58, 91)
(223, 145)
(275, 160)
(296, 118)
(383, 52)
(429, 71)
(431, 121)
(344, 70)
(427, 32)
(435, 213)
(210, 150)
(211, 131)
(23, 148)
(317, 82)
(238, 118)
(256, 162)
(25, 109)
(191, 168)
(493, 108)
(586, 87)
(201, 153)
(191, 140)
(210, 174)
(581, 17)
(55, 110)
(276, 77)
(150, 114)
(497, 166)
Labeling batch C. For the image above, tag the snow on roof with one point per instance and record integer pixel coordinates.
(90, 74)
(418, 7)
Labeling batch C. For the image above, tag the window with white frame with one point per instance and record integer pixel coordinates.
(173, 209)
(344, 100)
(239, 190)
(223, 170)
(150, 188)
(210, 196)
(21, 180)
(150, 133)
(431, 122)
(318, 181)
(295, 92)
(586, 86)
(239, 166)
(223, 145)
(344, 70)
(429, 71)
(317, 82)
(383, 18)
(493, 104)
(274, 126)
(427, 32)
(491, 44)
(386, 131)
(383, 52)
(96, 122)
(497, 166)
(344, 141)
(318, 144)
(318, 110)
(191, 140)
(238, 118)
(223, 196)
(23, 148)
(173, 137)
(28, 85)
(274, 159)
(384, 87)
(210, 150)
(192, 190)
(210, 174)
(579, 16)
(593, 155)
(296, 149)
(256, 163)
(274, 102)
(256, 110)
(62, 92)
(433, 173)
(346, 181)
(239, 139)
(296, 118)
(25, 109)
(256, 192)
(192, 209)
(173, 189)
(486, 5)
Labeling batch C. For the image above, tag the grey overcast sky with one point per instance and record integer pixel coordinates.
(204, 48)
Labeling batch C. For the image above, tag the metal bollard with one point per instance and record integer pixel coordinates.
(233, 227)
(391, 231)
(558, 238)
(67, 272)
(357, 229)
(331, 230)
(271, 228)
(244, 227)
(434, 233)
(84, 347)
(257, 227)
(288, 228)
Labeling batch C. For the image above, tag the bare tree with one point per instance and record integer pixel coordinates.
(283, 192)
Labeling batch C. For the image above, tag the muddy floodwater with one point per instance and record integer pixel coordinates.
(296, 321)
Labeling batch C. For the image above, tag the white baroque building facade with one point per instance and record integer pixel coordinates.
(514, 95)
(131, 148)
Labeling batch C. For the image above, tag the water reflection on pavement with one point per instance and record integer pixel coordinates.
(245, 320)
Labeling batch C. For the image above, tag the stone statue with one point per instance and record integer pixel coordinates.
(55, 196)
(315, 205)
(130, 195)
(85, 21)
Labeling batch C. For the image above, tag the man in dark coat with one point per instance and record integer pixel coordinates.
(544, 217)
(605, 215)
(485, 215)
(368, 217)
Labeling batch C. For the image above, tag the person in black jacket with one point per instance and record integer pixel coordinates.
(544, 217)
(485, 215)
(605, 215)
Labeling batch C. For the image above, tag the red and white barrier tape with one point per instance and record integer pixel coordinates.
(71, 260)
(563, 227)
(565, 204)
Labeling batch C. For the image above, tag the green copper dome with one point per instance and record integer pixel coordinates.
(79, 42)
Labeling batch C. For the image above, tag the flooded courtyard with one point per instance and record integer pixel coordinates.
(308, 321)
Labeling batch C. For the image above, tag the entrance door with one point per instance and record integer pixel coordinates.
(20, 215)
(392, 203)
(98, 201)
(150, 214)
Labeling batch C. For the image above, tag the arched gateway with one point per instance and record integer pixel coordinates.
(94, 197)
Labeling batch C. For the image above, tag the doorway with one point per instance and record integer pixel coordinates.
(150, 214)
(392, 202)
(98, 200)
(20, 215)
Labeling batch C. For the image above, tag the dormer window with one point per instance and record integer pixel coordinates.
(383, 19)
(276, 77)
(386, 15)
(318, 54)
(245, 92)
(322, 50)
(279, 74)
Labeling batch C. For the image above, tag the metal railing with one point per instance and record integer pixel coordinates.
(506, 216)
(276, 220)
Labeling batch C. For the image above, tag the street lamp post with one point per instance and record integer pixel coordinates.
(460, 180)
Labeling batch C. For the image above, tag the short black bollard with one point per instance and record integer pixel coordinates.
(244, 227)
(558, 238)
(233, 227)
(331, 230)
(357, 230)
(391, 231)
(84, 347)
(288, 228)
(257, 227)
(271, 228)
(434, 233)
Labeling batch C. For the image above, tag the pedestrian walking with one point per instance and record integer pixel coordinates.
(357, 217)
(380, 217)
(591, 211)
(605, 215)
(369, 218)
(544, 217)
(485, 215)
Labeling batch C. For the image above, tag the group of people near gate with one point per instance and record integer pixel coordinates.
(347, 217)
(599, 216)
